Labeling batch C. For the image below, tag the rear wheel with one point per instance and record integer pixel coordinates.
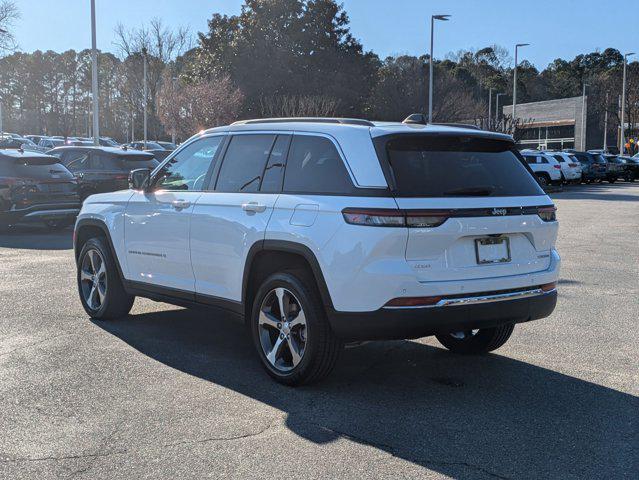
(477, 341)
(99, 284)
(543, 180)
(290, 330)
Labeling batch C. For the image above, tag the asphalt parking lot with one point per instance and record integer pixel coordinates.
(173, 393)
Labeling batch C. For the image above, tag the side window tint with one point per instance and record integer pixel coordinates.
(529, 160)
(544, 160)
(314, 166)
(81, 163)
(187, 169)
(274, 173)
(244, 163)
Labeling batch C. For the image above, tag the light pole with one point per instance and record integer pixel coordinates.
(497, 107)
(515, 82)
(2, 30)
(144, 51)
(94, 79)
(443, 18)
(622, 147)
(605, 141)
(174, 80)
(490, 106)
(583, 117)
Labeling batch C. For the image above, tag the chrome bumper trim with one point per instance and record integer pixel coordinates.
(53, 213)
(500, 297)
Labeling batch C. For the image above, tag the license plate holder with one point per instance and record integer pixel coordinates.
(491, 250)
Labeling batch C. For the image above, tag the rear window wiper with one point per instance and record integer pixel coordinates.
(480, 191)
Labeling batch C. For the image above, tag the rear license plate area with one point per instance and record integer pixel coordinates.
(489, 250)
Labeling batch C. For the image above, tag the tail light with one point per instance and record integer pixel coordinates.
(548, 287)
(547, 214)
(558, 167)
(374, 217)
(387, 217)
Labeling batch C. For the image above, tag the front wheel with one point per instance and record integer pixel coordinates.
(99, 284)
(473, 342)
(291, 333)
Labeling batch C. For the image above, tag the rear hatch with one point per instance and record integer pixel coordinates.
(472, 207)
(45, 182)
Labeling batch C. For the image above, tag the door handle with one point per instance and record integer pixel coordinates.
(180, 204)
(253, 207)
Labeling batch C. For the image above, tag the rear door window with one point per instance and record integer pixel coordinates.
(314, 166)
(244, 163)
(80, 164)
(452, 166)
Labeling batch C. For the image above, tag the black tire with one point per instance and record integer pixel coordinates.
(117, 303)
(543, 180)
(483, 341)
(322, 347)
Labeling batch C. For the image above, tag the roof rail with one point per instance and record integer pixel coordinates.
(420, 119)
(343, 121)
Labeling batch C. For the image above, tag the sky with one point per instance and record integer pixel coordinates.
(554, 28)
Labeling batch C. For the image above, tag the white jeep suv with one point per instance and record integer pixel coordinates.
(320, 232)
(545, 167)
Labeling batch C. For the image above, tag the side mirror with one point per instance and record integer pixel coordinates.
(139, 179)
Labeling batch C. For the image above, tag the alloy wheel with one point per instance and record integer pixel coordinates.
(465, 334)
(93, 280)
(282, 329)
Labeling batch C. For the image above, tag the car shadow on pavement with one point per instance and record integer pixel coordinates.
(36, 238)
(465, 417)
(616, 192)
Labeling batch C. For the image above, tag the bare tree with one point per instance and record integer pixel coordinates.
(189, 108)
(9, 13)
(298, 106)
(162, 47)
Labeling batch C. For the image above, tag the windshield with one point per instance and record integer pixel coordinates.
(438, 166)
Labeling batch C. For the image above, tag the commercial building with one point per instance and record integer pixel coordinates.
(553, 124)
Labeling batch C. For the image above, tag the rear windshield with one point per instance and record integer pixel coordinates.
(33, 169)
(440, 166)
(131, 162)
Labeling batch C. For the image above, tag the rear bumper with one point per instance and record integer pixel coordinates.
(477, 311)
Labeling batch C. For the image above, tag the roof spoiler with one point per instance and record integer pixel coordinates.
(420, 119)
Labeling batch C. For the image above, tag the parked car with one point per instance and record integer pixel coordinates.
(108, 142)
(631, 167)
(36, 188)
(167, 145)
(615, 168)
(159, 152)
(546, 167)
(320, 232)
(102, 169)
(35, 138)
(51, 142)
(7, 134)
(19, 142)
(570, 166)
(593, 167)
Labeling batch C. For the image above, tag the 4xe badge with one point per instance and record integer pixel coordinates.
(499, 211)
